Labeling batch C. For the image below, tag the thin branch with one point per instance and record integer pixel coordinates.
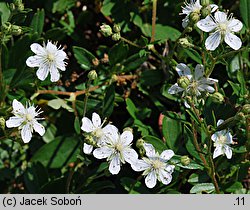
(154, 10)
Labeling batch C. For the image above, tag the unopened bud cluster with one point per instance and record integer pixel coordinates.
(139, 145)
(10, 29)
(107, 31)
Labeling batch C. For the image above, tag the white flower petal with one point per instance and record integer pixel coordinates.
(102, 152)
(37, 49)
(26, 133)
(150, 150)
(228, 151)
(205, 87)
(60, 65)
(185, 21)
(206, 24)
(150, 179)
(51, 48)
(183, 70)
(167, 154)
(199, 71)
(229, 137)
(187, 105)
(34, 61)
(170, 168)
(233, 41)
(96, 120)
(220, 121)
(235, 25)
(130, 155)
(213, 41)
(217, 152)
(87, 149)
(39, 128)
(61, 54)
(14, 122)
(214, 137)
(220, 16)
(115, 165)
(111, 132)
(42, 72)
(213, 7)
(18, 108)
(126, 137)
(54, 74)
(139, 165)
(87, 125)
(165, 177)
(175, 89)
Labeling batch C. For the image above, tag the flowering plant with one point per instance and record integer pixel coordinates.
(97, 98)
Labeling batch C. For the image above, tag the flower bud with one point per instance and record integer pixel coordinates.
(185, 160)
(206, 11)
(106, 30)
(92, 75)
(19, 5)
(183, 82)
(217, 97)
(246, 109)
(12, 7)
(116, 36)
(139, 143)
(16, 30)
(117, 28)
(205, 3)
(2, 123)
(185, 43)
(89, 139)
(128, 129)
(194, 17)
(142, 152)
(189, 29)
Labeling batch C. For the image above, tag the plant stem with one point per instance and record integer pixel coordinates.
(131, 43)
(133, 185)
(86, 98)
(154, 11)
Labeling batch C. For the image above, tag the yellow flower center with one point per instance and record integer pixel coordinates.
(50, 57)
(223, 27)
(98, 133)
(29, 117)
(222, 139)
(157, 164)
(119, 147)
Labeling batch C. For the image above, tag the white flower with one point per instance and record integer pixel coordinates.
(94, 128)
(117, 150)
(155, 166)
(193, 7)
(223, 27)
(191, 85)
(221, 140)
(49, 59)
(26, 120)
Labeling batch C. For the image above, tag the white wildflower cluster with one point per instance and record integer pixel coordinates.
(221, 25)
(116, 149)
(192, 85)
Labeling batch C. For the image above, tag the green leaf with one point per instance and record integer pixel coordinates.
(108, 102)
(37, 22)
(172, 132)
(156, 142)
(8, 75)
(4, 12)
(35, 177)
(58, 153)
(192, 165)
(236, 88)
(63, 5)
(137, 186)
(118, 53)
(151, 77)
(234, 187)
(203, 187)
(245, 12)
(77, 125)
(193, 55)
(133, 62)
(50, 133)
(131, 108)
(242, 82)
(83, 57)
(56, 186)
(59, 103)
